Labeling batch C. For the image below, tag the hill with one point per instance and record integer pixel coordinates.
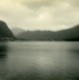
(68, 34)
(71, 34)
(36, 35)
(5, 32)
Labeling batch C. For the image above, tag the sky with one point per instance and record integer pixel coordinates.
(40, 14)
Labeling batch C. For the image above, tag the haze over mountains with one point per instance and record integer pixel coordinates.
(17, 31)
(71, 34)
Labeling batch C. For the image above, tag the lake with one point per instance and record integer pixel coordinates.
(39, 61)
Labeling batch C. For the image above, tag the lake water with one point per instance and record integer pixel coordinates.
(39, 61)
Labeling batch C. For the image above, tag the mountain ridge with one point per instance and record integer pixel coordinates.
(63, 35)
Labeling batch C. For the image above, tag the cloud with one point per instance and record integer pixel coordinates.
(39, 3)
(40, 14)
(33, 3)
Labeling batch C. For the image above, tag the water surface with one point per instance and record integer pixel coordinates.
(39, 61)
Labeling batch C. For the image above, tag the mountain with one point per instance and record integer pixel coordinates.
(37, 35)
(5, 32)
(71, 34)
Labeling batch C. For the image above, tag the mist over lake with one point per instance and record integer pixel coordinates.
(40, 61)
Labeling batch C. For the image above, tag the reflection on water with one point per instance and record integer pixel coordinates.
(3, 56)
(40, 61)
(3, 49)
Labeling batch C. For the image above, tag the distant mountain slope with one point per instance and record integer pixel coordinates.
(37, 35)
(71, 34)
(5, 32)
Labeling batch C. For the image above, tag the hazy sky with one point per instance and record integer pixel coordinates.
(40, 14)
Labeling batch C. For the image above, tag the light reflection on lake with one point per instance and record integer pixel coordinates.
(40, 61)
